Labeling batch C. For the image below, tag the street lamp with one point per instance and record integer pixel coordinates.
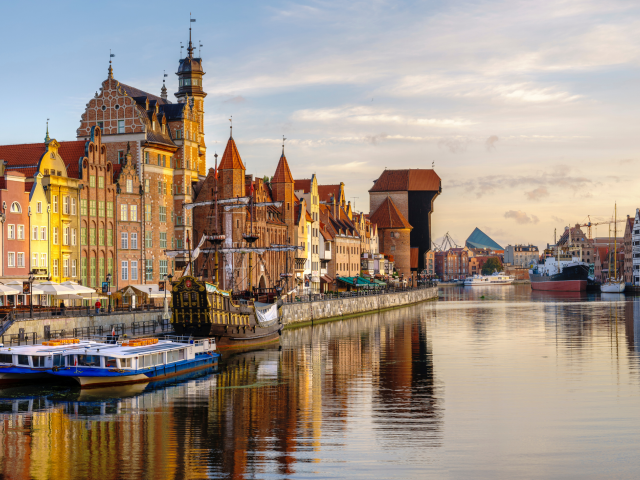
(109, 291)
(31, 279)
(149, 297)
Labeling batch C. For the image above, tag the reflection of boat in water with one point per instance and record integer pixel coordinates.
(546, 295)
(612, 297)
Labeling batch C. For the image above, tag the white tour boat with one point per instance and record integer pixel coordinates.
(494, 279)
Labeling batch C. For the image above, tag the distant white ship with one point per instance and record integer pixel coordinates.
(495, 279)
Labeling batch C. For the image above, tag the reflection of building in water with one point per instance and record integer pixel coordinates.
(632, 325)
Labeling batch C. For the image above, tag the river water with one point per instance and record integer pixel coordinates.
(487, 382)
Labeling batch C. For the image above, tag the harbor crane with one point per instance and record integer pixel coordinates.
(589, 224)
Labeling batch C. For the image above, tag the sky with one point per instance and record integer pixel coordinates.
(527, 110)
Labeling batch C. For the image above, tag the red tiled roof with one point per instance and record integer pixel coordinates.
(304, 185)
(325, 192)
(117, 168)
(309, 219)
(28, 186)
(231, 157)
(71, 153)
(415, 254)
(388, 216)
(407, 180)
(283, 174)
(26, 156)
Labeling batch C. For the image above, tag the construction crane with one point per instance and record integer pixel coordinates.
(589, 224)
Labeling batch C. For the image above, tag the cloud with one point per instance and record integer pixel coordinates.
(236, 99)
(521, 217)
(626, 161)
(374, 139)
(557, 219)
(455, 145)
(490, 143)
(537, 194)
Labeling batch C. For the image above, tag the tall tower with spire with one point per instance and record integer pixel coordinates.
(190, 91)
(282, 186)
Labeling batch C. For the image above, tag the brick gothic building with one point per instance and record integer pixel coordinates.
(413, 192)
(168, 151)
(394, 235)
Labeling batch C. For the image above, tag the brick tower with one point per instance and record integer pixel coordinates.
(283, 187)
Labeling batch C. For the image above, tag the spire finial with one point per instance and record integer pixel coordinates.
(163, 90)
(46, 138)
(111, 55)
(190, 48)
(283, 139)
(231, 127)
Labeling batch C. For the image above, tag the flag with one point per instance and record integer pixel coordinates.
(251, 188)
(113, 331)
(75, 361)
(193, 20)
(112, 55)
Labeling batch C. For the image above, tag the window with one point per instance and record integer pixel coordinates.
(178, 219)
(134, 270)
(92, 181)
(123, 213)
(149, 269)
(133, 211)
(83, 235)
(55, 204)
(34, 260)
(124, 240)
(92, 208)
(65, 267)
(109, 209)
(164, 188)
(148, 243)
(73, 206)
(92, 236)
(178, 134)
(20, 232)
(74, 268)
(92, 266)
(43, 233)
(110, 266)
(83, 206)
(55, 267)
(159, 187)
(124, 270)
(163, 239)
(163, 214)
(164, 160)
(147, 213)
(65, 205)
(101, 207)
(120, 126)
(101, 274)
(100, 124)
(11, 259)
(129, 185)
(83, 273)
(146, 185)
(164, 270)
(39, 207)
(110, 238)
(120, 156)
(43, 260)
(159, 160)
(55, 235)
(65, 236)
(179, 243)
(100, 182)
(101, 236)
(134, 241)
(20, 259)
(15, 208)
(146, 158)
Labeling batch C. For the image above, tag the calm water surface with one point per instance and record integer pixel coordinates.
(488, 382)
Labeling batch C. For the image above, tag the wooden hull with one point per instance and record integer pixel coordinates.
(232, 336)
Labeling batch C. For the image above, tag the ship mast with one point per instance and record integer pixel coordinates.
(615, 239)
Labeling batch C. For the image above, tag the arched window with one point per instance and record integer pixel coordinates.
(15, 208)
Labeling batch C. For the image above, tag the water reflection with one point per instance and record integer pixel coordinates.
(482, 384)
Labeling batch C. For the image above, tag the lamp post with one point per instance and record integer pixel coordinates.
(149, 298)
(31, 279)
(109, 291)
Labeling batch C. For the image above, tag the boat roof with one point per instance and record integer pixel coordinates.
(32, 349)
(120, 351)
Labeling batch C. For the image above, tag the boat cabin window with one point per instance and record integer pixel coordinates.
(182, 355)
(88, 360)
(110, 362)
(194, 296)
(6, 358)
(125, 363)
(58, 361)
(185, 296)
(172, 356)
(38, 360)
(23, 359)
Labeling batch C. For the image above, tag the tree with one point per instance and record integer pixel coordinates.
(491, 265)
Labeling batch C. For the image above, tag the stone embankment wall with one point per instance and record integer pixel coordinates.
(300, 313)
(69, 323)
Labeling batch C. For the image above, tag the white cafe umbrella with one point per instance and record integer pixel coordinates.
(6, 290)
(78, 289)
(51, 288)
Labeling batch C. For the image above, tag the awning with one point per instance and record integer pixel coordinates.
(326, 279)
(356, 281)
(137, 290)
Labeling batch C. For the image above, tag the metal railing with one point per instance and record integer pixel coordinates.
(21, 338)
(56, 312)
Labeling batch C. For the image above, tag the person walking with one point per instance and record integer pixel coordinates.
(98, 305)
